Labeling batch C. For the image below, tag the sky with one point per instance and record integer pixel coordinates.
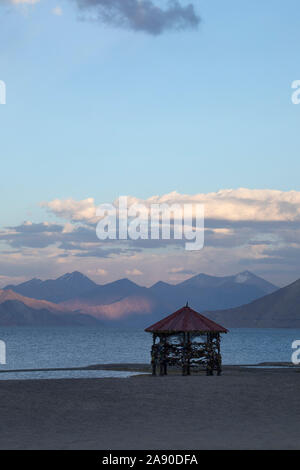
(180, 101)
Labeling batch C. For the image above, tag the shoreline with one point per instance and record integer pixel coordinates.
(146, 368)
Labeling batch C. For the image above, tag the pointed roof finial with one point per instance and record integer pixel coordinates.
(187, 304)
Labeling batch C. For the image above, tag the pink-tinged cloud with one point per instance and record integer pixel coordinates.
(227, 204)
(257, 230)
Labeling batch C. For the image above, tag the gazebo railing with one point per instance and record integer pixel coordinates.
(183, 351)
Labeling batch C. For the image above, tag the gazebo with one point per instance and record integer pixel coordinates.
(187, 339)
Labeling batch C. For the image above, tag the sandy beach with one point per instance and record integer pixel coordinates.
(242, 409)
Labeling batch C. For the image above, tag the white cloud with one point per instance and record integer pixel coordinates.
(242, 204)
(255, 205)
(69, 209)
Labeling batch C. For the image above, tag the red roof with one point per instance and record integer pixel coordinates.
(186, 319)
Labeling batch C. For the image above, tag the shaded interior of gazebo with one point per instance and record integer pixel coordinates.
(188, 340)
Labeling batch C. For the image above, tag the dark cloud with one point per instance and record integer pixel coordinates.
(182, 271)
(285, 256)
(256, 244)
(83, 237)
(141, 15)
(37, 228)
(253, 224)
(105, 253)
(44, 235)
(81, 241)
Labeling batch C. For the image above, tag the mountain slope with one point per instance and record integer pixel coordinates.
(115, 300)
(280, 309)
(109, 293)
(9, 295)
(55, 290)
(122, 309)
(15, 313)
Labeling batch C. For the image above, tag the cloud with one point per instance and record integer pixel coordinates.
(232, 205)
(44, 227)
(141, 15)
(244, 229)
(153, 17)
(80, 241)
(57, 11)
(260, 221)
(100, 271)
(181, 270)
(242, 204)
(72, 210)
(133, 272)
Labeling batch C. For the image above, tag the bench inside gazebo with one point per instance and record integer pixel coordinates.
(186, 339)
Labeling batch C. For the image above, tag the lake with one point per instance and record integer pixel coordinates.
(37, 348)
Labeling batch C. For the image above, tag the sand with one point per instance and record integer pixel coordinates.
(242, 409)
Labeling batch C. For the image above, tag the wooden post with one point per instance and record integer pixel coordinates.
(219, 357)
(188, 354)
(184, 355)
(161, 356)
(154, 355)
(209, 350)
(165, 355)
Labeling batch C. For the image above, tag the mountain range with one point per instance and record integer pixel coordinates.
(76, 299)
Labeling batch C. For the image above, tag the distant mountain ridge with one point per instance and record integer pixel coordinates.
(126, 303)
(206, 292)
(241, 300)
(16, 313)
(279, 309)
(55, 290)
(243, 278)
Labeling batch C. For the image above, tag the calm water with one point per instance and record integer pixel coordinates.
(36, 348)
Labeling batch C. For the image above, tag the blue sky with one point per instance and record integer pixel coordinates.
(95, 111)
